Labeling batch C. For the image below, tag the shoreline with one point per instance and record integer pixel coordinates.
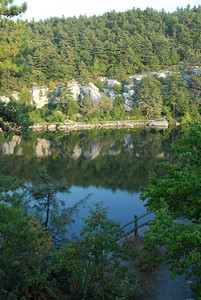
(70, 125)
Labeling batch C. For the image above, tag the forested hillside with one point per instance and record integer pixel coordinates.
(112, 45)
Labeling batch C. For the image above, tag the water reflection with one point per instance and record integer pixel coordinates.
(110, 164)
(112, 159)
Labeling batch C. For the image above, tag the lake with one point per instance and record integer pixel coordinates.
(111, 164)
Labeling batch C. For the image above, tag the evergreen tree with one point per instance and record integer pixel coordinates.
(52, 212)
(176, 95)
(85, 105)
(148, 96)
(66, 104)
(48, 209)
(15, 115)
(10, 43)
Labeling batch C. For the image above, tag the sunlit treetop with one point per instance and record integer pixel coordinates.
(9, 10)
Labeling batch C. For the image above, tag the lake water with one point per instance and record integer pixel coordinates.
(111, 165)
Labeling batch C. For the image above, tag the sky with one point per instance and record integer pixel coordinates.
(43, 9)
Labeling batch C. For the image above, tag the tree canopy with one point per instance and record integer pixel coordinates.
(113, 45)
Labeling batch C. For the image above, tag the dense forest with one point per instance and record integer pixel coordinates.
(114, 45)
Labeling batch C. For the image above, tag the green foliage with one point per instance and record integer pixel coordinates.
(8, 10)
(167, 113)
(176, 96)
(118, 112)
(104, 104)
(15, 115)
(48, 209)
(44, 114)
(33, 268)
(99, 85)
(85, 105)
(66, 104)
(25, 247)
(11, 49)
(69, 107)
(136, 114)
(8, 183)
(178, 194)
(148, 97)
(117, 88)
(11, 42)
(51, 85)
(120, 44)
(94, 261)
(26, 96)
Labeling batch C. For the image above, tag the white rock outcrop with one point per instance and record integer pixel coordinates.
(40, 95)
(75, 89)
(92, 91)
(128, 105)
(111, 83)
(127, 88)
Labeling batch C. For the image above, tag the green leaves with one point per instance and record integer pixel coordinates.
(148, 97)
(24, 249)
(15, 116)
(95, 260)
(178, 194)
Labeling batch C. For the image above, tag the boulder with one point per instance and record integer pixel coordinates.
(111, 83)
(125, 95)
(112, 95)
(93, 87)
(136, 77)
(92, 91)
(127, 88)
(162, 124)
(4, 99)
(106, 91)
(128, 105)
(131, 93)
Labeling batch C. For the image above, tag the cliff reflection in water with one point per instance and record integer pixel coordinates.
(114, 159)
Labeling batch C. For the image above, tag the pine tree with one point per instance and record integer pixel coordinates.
(10, 44)
(148, 96)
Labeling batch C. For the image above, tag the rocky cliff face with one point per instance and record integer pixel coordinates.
(92, 91)
(41, 96)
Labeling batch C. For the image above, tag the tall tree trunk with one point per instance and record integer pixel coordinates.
(47, 212)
